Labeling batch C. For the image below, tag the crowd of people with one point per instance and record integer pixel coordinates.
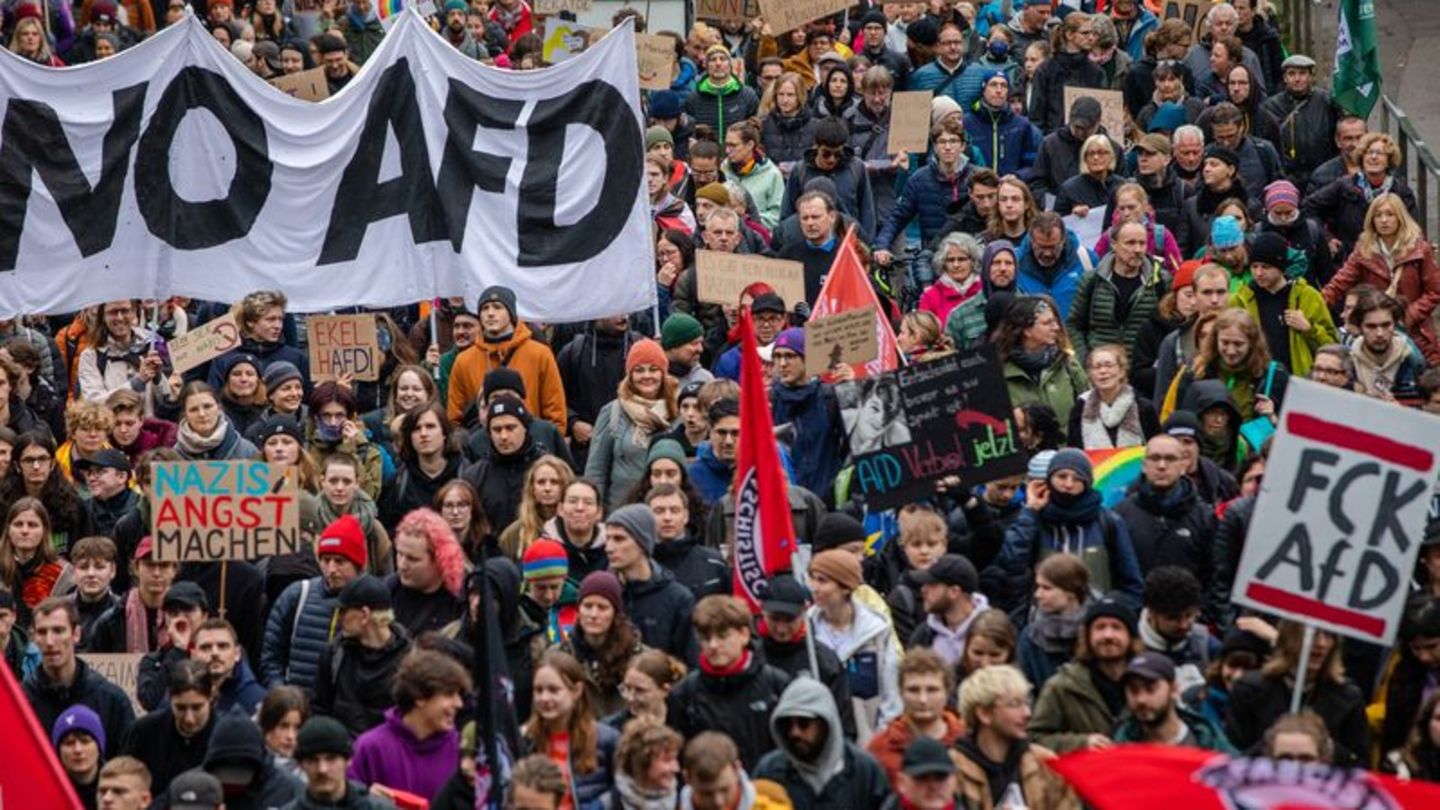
(514, 583)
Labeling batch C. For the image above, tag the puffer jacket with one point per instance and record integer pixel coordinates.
(1047, 107)
(297, 632)
(1307, 124)
(1103, 543)
(1060, 282)
(720, 105)
(738, 705)
(843, 776)
(353, 684)
(928, 195)
(785, 138)
(1170, 528)
(818, 449)
(1094, 316)
(972, 81)
(853, 194)
(1008, 142)
(660, 608)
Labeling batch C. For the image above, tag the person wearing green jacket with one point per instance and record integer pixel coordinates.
(1080, 704)
(720, 98)
(464, 326)
(757, 174)
(1153, 715)
(1292, 315)
(1038, 363)
(1120, 295)
(362, 30)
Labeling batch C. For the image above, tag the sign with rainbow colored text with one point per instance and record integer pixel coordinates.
(223, 510)
(911, 427)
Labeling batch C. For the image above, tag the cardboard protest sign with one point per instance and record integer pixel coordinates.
(656, 57)
(787, 15)
(1112, 109)
(909, 122)
(307, 85)
(223, 510)
(557, 6)
(1191, 11)
(565, 40)
(204, 343)
(343, 344)
(727, 10)
(1341, 513)
(923, 422)
(121, 669)
(845, 338)
(722, 276)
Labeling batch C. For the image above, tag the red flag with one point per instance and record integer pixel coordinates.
(847, 287)
(32, 776)
(764, 535)
(1148, 776)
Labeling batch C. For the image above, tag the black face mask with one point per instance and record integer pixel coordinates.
(999, 50)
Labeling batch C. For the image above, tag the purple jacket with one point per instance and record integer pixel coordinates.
(390, 755)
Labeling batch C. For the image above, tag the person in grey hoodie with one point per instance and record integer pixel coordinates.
(815, 764)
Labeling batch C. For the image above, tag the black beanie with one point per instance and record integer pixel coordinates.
(322, 735)
(503, 378)
(835, 530)
(1113, 606)
(504, 296)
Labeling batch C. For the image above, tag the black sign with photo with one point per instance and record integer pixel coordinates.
(924, 422)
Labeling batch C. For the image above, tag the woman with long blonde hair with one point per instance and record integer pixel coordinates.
(29, 40)
(545, 484)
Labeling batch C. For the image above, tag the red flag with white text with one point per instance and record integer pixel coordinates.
(764, 534)
(847, 287)
(32, 776)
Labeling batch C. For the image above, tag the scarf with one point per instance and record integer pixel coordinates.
(1072, 510)
(1032, 363)
(1055, 633)
(649, 416)
(1098, 419)
(1371, 192)
(508, 19)
(137, 628)
(192, 443)
(967, 289)
(1170, 503)
(634, 797)
(736, 668)
(37, 580)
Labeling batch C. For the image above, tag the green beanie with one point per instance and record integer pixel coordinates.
(666, 448)
(678, 330)
(657, 134)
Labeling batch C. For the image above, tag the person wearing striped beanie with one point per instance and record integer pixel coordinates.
(549, 598)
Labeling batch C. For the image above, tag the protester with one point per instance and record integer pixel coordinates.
(813, 761)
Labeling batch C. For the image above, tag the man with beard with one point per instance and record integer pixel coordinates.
(299, 626)
(217, 644)
(683, 339)
(457, 32)
(786, 641)
(1079, 705)
(323, 751)
(996, 763)
(1387, 364)
(1169, 623)
(335, 58)
(1154, 714)
(814, 762)
(948, 590)
(591, 366)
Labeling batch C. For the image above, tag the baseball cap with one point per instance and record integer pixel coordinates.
(185, 596)
(787, 596)
(108, 458)
(950, 569)
(195, 790)
(767, 302)
(1150, 666)
(926, 756)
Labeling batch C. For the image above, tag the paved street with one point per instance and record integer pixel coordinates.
(1410, 50)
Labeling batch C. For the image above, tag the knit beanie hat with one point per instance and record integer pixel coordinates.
(1039, 466)
(1111, 606)
(841, 567)
(507, 406)
(504, 296)
(646, 353)
(323, 735)
(545, 559)
(792, 339)
(1225, 233)
(1075, 461)
(604, 585)
(680, 328)
(666, 448)
(1168, 117)
(503, 378)
(941, 106)
(1185, 275)
(279, 372)
(1222, 154)
(79, 718)
(1270, 248)
(715, 193)
(835, 530)
(924, 31)
(665, 104)
(638, 521)
(455, 5)
(346, 538)
(657, 135)
(278, 425)
(1281, 192)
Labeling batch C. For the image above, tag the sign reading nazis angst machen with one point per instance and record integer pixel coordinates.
(1341, 512)
(223, 510)
(429, 175)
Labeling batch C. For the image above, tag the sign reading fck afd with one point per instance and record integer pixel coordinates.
(173, 170)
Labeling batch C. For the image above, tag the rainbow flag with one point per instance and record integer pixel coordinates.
(388, 11)
(1115, 471)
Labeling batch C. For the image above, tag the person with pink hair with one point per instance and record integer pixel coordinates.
(427, 587)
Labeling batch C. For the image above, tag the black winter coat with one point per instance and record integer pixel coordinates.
(785, 138)
(1047, 105)
(738, 705)
(154, 740)
(412, 489)
(50, 700)
(1306, 131)
(1229, 543)
(701, 569)
(592, 365)
(793, 658)
(500, 481)
(1087, 190)
(1341, 208)
(660, 608)
(1058, 161)
(245, 604)
(1257, 701)
(860, 784)
(354, 682)
(1178, 531)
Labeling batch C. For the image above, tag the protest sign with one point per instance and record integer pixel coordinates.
(656, 57)
(565, 40)
(223, 510)
(203, 343)
(727, 10)
(909, 122)
(307, 85)
(722, 276)
(182, 175)
(788, 15)
(341, 345)
(121, 669)
(1341, 512)
(1112, 109)
(845, 338)
(1193, 12)
(946, 417)
(557, 6)
(1088, 228)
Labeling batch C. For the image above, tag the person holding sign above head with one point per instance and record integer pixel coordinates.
(507, 341)
(122, 356)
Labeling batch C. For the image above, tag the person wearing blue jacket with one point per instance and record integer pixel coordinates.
(1009, 143)
(942, 76)
(1052, 261)
(809, 406)
(714, 467)
(998, 55)
(938, 187)
(1064, 513)
(302, 620)
(1133, 21)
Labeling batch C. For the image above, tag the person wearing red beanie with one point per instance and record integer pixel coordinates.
(343, 538)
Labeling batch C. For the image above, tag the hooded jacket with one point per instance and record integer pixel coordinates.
(391, 755)
(793, 658)
(871, 658)
(1060, 282)
(842, 776)
(237, 739)
(1059, 385)
(521, 351)
(1095, 313)
(353, 681)
(853, 194)
(300, 626)
(818, 448)
(660, 608)
(720, 104)
(518, 635)
(739, 705)
(500, 481)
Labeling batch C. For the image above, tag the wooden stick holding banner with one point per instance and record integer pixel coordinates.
(224, 570)
(1306, 642)
(435, 332)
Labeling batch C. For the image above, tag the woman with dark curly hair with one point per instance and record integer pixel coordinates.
(604, 640)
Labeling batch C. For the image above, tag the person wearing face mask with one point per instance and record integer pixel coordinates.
(1302, 233)
(334, 428)
(996, 56)
(1064, 513)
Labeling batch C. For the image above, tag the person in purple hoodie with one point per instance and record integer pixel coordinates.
(417, 748)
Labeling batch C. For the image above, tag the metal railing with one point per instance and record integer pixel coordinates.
(1298, 24)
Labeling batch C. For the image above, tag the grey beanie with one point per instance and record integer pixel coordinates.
(1075, 461)
(638, 521)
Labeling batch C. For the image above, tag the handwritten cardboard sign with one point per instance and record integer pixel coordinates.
(1193, 12)
(727, 10)
(121, 669)
(307, 85)
(557, 6)
(787, 15)
(204, 343)
(656, 57)
(223, 510)
(1112, 109)
(343, 344)
(910, 427)
(565, 40)
(723, 276)
(909, 122)
(847, 338)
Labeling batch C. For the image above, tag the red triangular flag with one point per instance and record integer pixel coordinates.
(764, 535)
(32, 776)
(847, 287)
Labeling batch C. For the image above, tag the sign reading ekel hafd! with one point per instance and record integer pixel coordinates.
(1340, 516)
(223, 510)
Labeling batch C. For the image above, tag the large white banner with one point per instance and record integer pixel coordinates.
(170, 169)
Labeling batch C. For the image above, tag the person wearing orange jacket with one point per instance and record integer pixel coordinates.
(507, 341)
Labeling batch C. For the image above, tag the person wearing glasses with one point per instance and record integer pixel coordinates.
(831, 157)
(40, 478)
(123, 355)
